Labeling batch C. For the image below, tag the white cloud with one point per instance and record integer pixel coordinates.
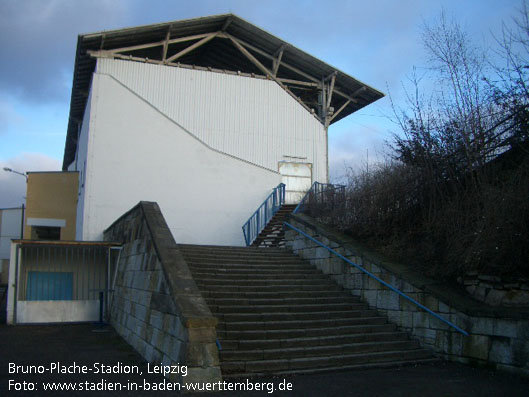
(13, 186)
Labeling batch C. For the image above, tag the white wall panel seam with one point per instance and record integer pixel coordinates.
(278, 117)
(183, 128)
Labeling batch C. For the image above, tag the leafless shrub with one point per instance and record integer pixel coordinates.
(455, 197)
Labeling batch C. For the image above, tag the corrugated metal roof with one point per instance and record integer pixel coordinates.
(219, 53)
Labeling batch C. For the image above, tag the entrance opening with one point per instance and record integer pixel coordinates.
(297, 177)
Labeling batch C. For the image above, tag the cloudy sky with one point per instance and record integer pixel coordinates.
(377, 42)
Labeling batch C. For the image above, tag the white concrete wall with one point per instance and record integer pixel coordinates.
(57, 311)
(80, 164)
(250, 118)
(135, 152)
(10, 222)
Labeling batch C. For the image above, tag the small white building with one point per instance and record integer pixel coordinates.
(10, 228)
(204, 116)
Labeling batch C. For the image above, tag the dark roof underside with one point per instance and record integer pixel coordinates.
(219, 53)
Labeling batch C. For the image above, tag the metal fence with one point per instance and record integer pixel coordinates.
(323, 196)
(50, 272)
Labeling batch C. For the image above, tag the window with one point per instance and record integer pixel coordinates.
(45, 233)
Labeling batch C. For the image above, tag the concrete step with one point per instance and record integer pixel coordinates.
(278, 365)
(271, 243)
(315, 351)
(320, 370)
(264, 269)
(273, 227)
(286, 308)
(235, 344)
(272, 233)
(214, 249)
(276, 229)
(244, 261)
(304, 333)
(269, 325)
(278, 218)
(200, 275)
(282, 213)
(267, 240)
(295, 282)
(282, 301)
(272, 294)
(275, 224)
(222, 287)
(260, 254)
(286, 316)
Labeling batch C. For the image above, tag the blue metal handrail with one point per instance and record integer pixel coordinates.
(316, 193)
(260, 218)
(378, 279)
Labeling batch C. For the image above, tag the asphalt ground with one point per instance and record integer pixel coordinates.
(101, 349)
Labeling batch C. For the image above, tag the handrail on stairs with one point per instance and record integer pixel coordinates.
(260, 218)
(392, 288)
(317, 193)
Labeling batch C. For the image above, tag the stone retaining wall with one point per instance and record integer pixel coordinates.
(496, 291)
(499, 337)
(156, 306)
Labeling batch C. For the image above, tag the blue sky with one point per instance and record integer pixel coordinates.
(377, 42)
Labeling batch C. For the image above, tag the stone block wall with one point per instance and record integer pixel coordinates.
(499, 337)
(496, 291)
(155, 305)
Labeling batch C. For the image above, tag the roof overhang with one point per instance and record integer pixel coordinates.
(225, 44)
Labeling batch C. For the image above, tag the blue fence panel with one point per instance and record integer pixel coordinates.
(49, 286)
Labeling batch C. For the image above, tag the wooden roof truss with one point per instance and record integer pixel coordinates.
(324, 88)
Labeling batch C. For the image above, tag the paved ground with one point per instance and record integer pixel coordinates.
(86, 345)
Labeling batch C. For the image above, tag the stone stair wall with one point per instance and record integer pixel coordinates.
(156, 306)
(499, 337)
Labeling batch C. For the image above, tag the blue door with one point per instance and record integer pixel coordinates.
(49, 286)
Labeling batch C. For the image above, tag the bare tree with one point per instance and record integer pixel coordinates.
(511, 91)
(454, 198)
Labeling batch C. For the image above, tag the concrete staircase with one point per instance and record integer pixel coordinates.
(279, 315)
(273, 235)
